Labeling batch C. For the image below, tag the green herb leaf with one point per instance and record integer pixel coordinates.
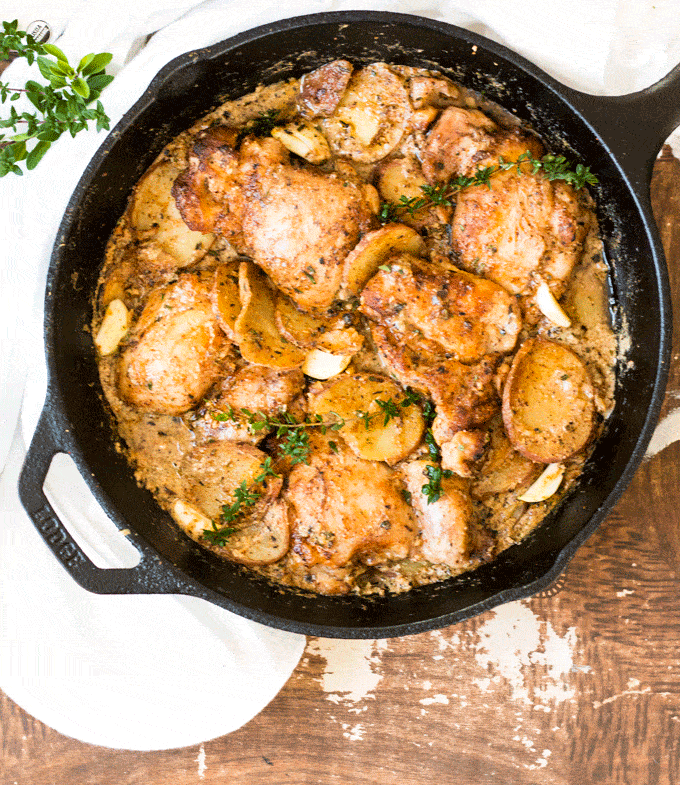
(96, 64)
(61, 103)
(55, 51)
(36, 154)
(80, 86)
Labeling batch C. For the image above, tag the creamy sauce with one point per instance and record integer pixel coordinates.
(157, 444)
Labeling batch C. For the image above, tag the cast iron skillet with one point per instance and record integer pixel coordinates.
(617, 137)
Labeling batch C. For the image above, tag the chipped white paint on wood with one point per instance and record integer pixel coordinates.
(667, 432)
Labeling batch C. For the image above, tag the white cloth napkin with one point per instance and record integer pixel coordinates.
(142, 672)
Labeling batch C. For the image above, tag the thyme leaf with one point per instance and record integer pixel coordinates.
(245, 498)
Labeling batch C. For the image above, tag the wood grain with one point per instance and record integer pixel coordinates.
(576, 686)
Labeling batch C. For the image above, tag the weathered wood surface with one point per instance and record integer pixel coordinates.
(576, 686)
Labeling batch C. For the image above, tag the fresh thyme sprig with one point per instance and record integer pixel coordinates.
(293, 433)
(553, 167)
(433, 471)
(63, 105)
(245, 499)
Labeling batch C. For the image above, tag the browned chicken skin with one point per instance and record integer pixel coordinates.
(347, 508)
(464, 395)
(522, 226)
(448, 527)
(296, 222)
(299, 223)
(443, 311)
(208, 192)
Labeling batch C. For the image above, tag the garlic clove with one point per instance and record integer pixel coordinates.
(190, 519)
(304, 140)
(546, 485)
(113, 328)
(323, 365)
(549, 306)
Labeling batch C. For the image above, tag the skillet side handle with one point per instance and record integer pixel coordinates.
(150, 576)
(635, 126)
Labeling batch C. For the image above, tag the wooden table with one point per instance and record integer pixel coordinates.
(577, 686)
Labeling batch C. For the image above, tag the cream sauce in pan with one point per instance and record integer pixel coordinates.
(339, 379)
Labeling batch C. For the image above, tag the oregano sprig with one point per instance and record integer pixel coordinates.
(63, 104)
(551, 166)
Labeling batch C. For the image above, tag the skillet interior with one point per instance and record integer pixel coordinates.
(190, 87)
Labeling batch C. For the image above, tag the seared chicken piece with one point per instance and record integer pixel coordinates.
(346, 508)
(208, 193)
(442, 311)
(299, 223)
(460, 453)
(176, 350)
(522, 229)
(458, 139)
(256, 388)
(322, 89)
(448, 529)
(464, 395)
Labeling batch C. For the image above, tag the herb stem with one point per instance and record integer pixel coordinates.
(552, 167)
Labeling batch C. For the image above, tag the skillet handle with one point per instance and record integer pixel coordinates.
(150, 576)
(634, 126)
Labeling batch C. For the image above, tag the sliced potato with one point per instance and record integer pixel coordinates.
(113, 329)
(321, 89)
(504, 469)
(370, 437)
(212, 472)
(255, 328)
(154, 211)
(433, 91)
(330, 334)
(324, 365)
(373, 249)
(370, 118)
(403, 177)
(546, 485)
(303, 139)
(225, 297)
(262, 539)
(177, 350)
(548, 407)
